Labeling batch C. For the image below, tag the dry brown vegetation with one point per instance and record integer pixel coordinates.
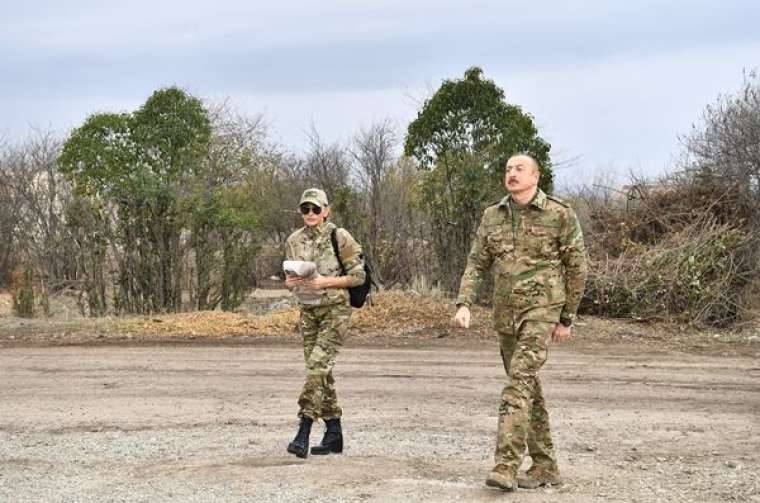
(685, 249)
(390, 311)
(680, 253)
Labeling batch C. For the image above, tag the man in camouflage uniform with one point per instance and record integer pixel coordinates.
(534, 244)
(325, 312)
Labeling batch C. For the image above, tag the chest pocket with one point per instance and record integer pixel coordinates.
(543, 239)
(324, 256)
(321, 253)
(499, 243)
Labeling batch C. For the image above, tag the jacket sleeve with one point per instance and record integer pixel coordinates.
(289, 253)
(573, 256)
(351, 256)
(478, 264)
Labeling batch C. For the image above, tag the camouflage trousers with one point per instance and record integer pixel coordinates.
(523, 418)
(323, 329)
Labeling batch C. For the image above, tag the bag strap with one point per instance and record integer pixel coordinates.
(334, 241)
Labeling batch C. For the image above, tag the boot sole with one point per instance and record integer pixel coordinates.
(320, 452)
(535, 484)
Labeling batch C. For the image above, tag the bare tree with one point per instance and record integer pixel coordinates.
(373, 150)
(327, 165)
(724, 151)
(35, 194)
(330, 167)
(403, 252)
(9, 217)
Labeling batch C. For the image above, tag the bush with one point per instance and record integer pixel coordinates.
(674, 256)
(23, 293)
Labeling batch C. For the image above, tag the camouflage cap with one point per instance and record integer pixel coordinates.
(314, 196)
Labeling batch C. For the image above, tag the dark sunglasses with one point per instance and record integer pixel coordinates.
(306, 208)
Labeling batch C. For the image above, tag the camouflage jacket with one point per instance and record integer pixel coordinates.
(539, 268)
(314, 244)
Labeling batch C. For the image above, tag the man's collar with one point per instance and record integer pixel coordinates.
(538, 201)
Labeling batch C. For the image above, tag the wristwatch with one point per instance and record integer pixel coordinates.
(567, 319)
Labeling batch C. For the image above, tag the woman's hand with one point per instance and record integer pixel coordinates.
(320, 282)
(292, 281)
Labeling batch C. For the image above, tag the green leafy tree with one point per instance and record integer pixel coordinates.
(138, 165)
(224, 204)
(462, 138)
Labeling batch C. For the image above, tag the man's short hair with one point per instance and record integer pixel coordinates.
(529, 156)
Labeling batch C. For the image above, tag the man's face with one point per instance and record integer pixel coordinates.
(521, 174)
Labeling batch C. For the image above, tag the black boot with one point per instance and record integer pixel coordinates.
(300, 445)
(333, 439)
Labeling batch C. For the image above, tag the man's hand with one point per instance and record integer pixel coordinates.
(561, 333)
(462, 318)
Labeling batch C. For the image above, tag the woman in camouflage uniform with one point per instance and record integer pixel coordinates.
(325, 311)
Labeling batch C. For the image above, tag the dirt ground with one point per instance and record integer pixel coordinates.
(209, 421)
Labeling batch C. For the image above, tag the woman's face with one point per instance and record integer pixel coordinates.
(313, 215)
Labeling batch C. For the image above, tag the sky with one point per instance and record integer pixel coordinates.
(612, 85)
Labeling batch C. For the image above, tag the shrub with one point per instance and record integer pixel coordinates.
(23, 293)
(698, 274)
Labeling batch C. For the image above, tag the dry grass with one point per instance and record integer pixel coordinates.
(391, 311)
(395, 318)
(211, 324)
(395, 310)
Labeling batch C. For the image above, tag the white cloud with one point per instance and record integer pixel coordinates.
(613, 82)
(627, 113)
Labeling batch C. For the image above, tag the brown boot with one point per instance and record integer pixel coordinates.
(502, 477)
(538, 476)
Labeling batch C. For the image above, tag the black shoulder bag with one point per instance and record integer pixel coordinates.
(359, 293)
